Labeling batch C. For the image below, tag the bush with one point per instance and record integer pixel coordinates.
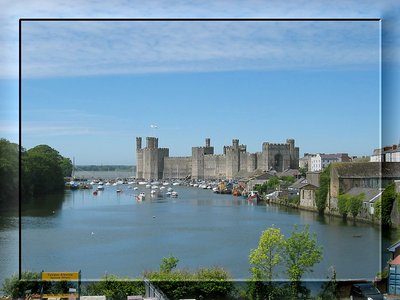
(15, 288)
(115, 288)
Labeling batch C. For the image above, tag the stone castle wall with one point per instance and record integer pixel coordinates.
(177, 167)
(155, 163)
(215, 167)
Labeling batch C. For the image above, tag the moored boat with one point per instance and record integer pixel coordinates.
(141, 196)
(253, 196)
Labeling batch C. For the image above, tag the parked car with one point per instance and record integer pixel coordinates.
(365, 291)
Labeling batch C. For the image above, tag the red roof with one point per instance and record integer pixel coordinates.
(396, 261)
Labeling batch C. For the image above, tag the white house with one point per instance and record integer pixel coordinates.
(321, 160)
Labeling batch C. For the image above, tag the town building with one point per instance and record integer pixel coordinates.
(320, 161)
(154, 163)
(386, 154)
(344, 178)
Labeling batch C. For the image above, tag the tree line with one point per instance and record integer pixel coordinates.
(42, 172)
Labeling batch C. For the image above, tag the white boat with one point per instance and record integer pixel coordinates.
(195, 185)
(115, 184)
(141, 196)
(148, 186)
(168, 194)
(166, 183)
(152, 192)
(135, 188)
(100, 187)
(175, 183)
(154, 187)
(142, 182)
(253, 195)
(162, 188)
(174, 194)
(170, 189)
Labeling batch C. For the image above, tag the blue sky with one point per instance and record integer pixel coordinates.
(89, 88)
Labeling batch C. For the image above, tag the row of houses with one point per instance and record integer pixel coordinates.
(386, 154)
(369, 178)
(318, 162)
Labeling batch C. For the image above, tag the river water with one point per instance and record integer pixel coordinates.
(113, 233)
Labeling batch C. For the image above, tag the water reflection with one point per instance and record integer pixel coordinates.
(199, 227)
(42, 206)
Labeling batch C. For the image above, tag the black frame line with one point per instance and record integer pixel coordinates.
(169, 20)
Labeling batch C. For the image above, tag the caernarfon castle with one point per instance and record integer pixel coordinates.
(153, 163)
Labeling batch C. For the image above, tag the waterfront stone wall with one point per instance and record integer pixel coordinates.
(214, 167)
(177, 167)
(155, 163)
(251, 162)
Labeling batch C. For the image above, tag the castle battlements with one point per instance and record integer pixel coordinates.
(155, 163)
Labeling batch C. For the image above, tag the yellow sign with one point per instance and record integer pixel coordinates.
(60, 276)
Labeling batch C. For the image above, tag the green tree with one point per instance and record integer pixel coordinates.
(114, 287)
(288, 180)
(378, 208)
(343, 204)
(168, 263)
(355, 204)
(206, 283)
(303, 171)
(387, 200)
(301, 253)
(323, 190)
(267, 255)
(9, 174)
(273, 182)
(44, 170)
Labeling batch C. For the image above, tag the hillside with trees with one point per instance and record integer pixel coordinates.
(42, 172)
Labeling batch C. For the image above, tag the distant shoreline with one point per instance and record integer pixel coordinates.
(105, 168)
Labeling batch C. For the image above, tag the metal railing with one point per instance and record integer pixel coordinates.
(152, 291)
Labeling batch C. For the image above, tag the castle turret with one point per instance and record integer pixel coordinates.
(138, 143)
(208, 143)
(151, 142)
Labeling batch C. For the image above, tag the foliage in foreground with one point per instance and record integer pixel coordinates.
(16, 288)
(115, 288)
(298, 253)
(206, 283)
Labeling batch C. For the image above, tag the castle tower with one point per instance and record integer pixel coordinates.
(150, 160)
(208, 143)
(139, 158)
(232, 156)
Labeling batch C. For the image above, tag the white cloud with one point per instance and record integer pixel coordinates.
(96, 48)
(106, 52)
